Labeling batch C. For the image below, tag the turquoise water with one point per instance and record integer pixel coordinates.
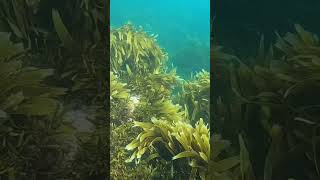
(183, 28)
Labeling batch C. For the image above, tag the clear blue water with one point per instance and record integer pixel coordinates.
(183, 28)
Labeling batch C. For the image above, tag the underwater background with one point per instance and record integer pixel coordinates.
(265, 98)
(64, 115)
(239, 23)
(263, 121)
(183, 28)
(159, 89)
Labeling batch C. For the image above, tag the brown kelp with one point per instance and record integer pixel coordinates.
(190, 146)
(272, 99)
(179, 139)
(195, 97)
(29, 107)
(132, 50)
(138, 63)
(173, 114)
(57, 69)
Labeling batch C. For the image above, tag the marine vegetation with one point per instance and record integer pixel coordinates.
(138, 91)
(269, 105)
(175, 141)
(165, 118)
(53, 86)
(28, 108)
(195, 96)
(134, 52)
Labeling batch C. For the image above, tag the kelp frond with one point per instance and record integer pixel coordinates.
(161, 109)
(134, 49)
(22, 88)
(154, 86)
(195, 96)
(181, 140)
(117, 89)
(29, 109)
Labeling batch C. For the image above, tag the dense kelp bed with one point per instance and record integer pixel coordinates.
(268, 106)
(54, 122)
(169, 133)
(54, 119)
